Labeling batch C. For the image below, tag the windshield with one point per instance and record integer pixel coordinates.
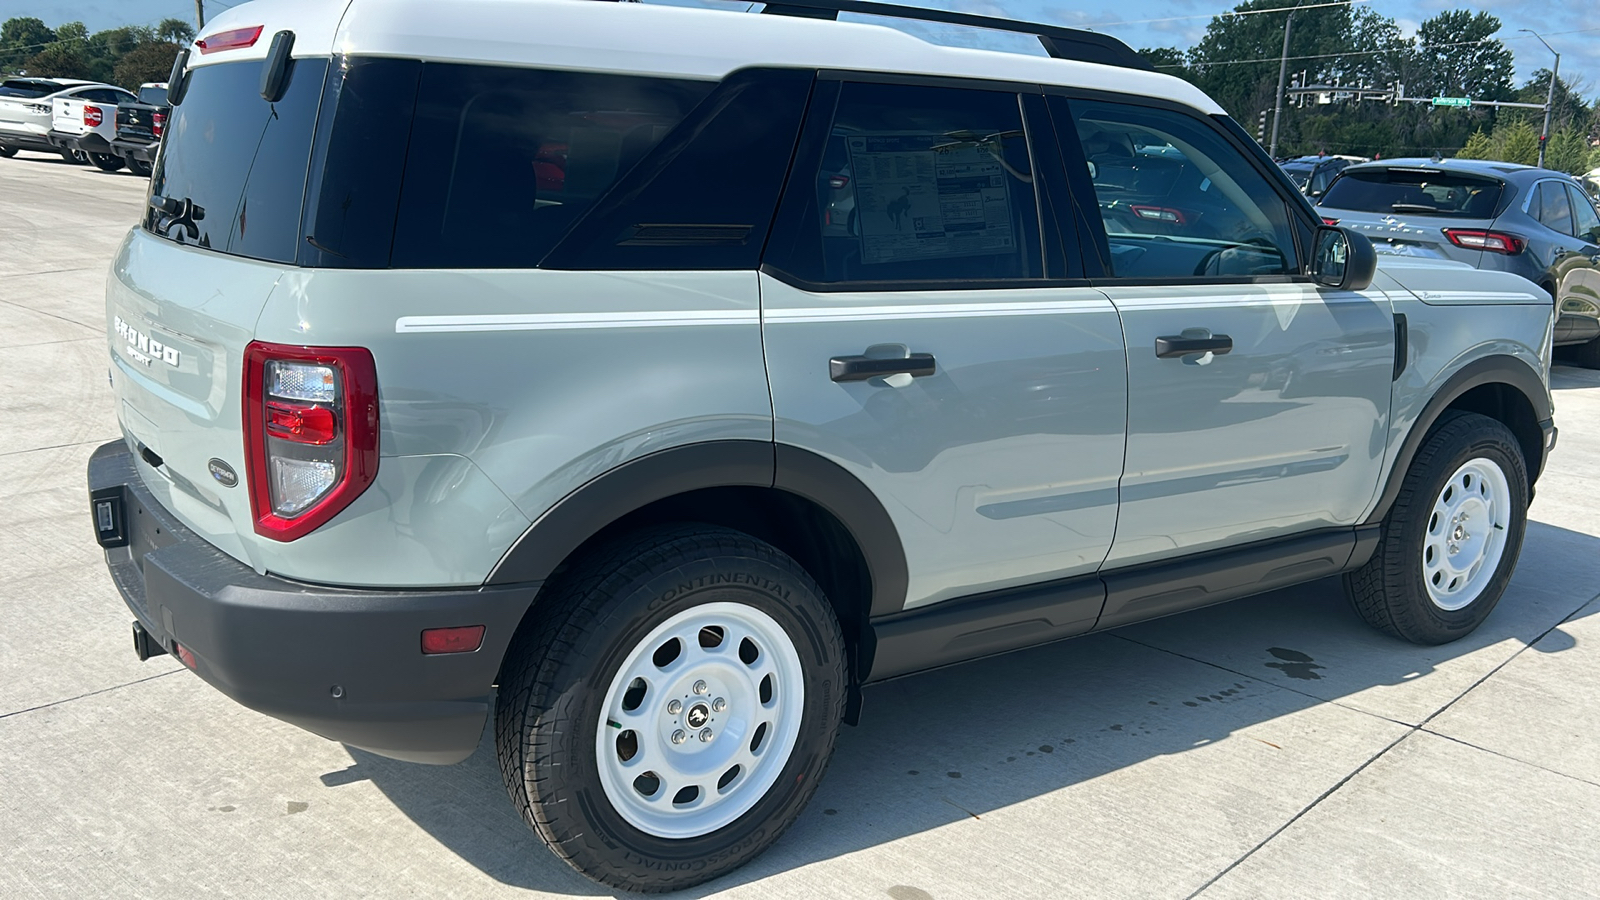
(153, 96)
(27, 89)
(1423, 192)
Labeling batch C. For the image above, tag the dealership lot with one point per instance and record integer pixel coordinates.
(1271, 747)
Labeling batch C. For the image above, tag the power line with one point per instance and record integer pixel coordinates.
(1227, 13)
(1424, 47)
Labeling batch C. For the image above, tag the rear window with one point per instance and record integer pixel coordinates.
(1422, 192)
(233, 170)
(27, 89)
(153, 96)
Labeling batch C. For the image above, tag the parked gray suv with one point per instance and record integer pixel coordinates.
(532, 377)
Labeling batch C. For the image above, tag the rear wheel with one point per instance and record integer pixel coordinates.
(670, 707)
(105, 162)
(76, 157)
(1586, 354)
(8, 152)
(138, 167)
(1452, 537)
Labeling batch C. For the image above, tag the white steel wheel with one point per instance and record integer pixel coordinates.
(1466, 534)
(699, 720)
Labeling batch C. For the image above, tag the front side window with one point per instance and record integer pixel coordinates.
(1177, 199)
(915, 184)
(503, 162)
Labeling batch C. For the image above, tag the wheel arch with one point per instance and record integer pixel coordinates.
(1503, 388)
(804, 504)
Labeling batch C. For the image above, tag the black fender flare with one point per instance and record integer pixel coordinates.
(1488, 370)
(637, 483)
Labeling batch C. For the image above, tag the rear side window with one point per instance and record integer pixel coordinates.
(914, 183)
(233, 170)
(503, 162)
(1415, 192)
(1177, 199)
(104, 95)
(1552, 207)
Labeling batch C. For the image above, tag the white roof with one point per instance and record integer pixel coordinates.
(644, 39)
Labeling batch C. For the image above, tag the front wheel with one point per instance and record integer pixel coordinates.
(105, 162)
(670, 707)
(1452, 537)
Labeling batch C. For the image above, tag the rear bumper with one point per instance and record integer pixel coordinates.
(27, 140)
(135, 150)
(345, 664)
(1575, 328)
(88, 143)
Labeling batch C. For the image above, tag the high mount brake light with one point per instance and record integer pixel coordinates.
(229, 40)
(311, 434)
(1492, 241)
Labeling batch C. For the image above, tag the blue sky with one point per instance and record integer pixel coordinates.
(1569, 25)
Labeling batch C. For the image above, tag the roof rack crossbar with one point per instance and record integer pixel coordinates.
(1059, 42)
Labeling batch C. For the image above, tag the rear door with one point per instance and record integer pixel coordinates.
(1569, 253)
(1277, 429)
(927, 327)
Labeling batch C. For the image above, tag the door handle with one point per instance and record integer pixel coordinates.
(1171, 345)
(860, 368)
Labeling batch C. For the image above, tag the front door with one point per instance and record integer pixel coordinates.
(926, 330)
(1258, 403)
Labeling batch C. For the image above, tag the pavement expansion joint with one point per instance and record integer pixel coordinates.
(114, 687)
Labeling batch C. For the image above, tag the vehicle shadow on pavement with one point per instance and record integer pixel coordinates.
(963, 742)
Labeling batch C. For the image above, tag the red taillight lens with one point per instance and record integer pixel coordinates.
(464, 639)
(92, 116)
(184, 655)
(1328, 221)
(311, 433)
(1492, 241)
(1159, 214)
(838, 181)
(158, 122)
(229, 40)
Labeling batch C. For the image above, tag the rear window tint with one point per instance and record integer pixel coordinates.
(1422, 192)
(503, 162)
(153, 96)
(233, 170)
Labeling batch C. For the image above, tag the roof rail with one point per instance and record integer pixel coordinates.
(1061, 43)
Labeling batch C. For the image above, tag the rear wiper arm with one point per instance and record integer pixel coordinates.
(177, 212)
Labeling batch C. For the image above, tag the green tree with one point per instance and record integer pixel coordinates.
(1168, 60)
(1477, 147)
(175, 31)
(1517, 142)
(20, 39)
(1458, 56)
(147, 62)
(58, 60)
(1568, 151)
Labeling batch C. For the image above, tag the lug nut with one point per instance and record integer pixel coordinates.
(705, 736)
(674, 707)
(679, 737)
(718, 705)
(699, 687)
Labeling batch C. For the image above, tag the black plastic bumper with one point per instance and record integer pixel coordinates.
(86, 143)
(346, 664)
(27, 141)
(145, 153)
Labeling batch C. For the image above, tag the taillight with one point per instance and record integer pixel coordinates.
(1158, 214)
(1328, 221)
(311, 433)
(838, 181)
(229, 40)
(159, 120)
(1492, 241)
(92, 116)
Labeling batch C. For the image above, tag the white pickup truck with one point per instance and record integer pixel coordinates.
(83, 125)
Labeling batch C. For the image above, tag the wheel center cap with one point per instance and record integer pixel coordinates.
(699, 715)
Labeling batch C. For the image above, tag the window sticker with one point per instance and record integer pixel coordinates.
(925, 195)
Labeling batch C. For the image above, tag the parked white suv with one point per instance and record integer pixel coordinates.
(537, 374)
(27, 109)
(84, 123)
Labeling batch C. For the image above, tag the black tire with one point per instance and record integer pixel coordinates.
(576, 641)
(1391, 590)
(139, 167)
(1586, 354)
(8, 152)
(75, 157)
(105, 162)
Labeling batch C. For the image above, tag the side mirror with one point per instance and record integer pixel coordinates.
(1342, 259)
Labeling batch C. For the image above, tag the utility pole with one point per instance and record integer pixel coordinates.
(199, 15)
(1549, 97)
(1277, 100)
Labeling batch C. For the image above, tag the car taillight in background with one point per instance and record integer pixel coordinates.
(838, 181)
(158, 121)
(311, 433)
(1159, 214)
(92, 116)
(1492, 241)
(1328, 221)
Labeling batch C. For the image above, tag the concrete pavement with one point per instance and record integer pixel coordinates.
(1272, 747)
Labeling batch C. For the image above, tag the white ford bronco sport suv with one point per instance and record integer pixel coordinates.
(658, 377)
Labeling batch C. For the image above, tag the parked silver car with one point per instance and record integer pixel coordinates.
(26, 111)
(1537, 223)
